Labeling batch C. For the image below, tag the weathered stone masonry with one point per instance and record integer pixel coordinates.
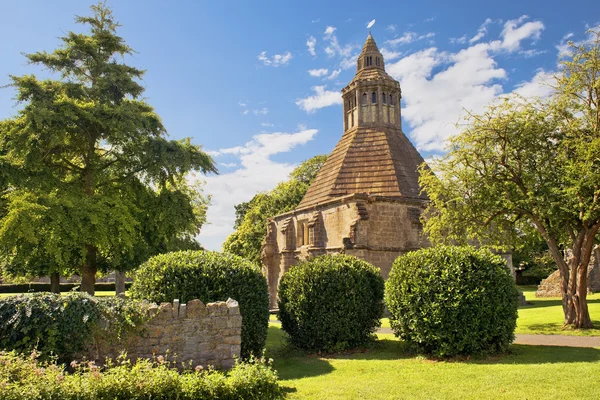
(203, 334)
(366, 200)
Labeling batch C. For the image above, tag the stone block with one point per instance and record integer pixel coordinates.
(196, 309)
(232, 340)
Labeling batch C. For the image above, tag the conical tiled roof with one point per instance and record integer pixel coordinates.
(377, 160)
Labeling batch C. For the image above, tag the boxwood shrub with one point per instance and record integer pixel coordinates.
(26, 378)
(209, 276)
(62, 326)
(331, 303)
(449, 301)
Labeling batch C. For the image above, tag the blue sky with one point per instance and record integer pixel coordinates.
(257, 83)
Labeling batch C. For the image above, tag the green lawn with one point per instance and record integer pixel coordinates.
(387, 371)
(545, 315)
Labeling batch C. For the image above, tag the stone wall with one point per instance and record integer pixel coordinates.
(194, 332)
(374, 228)
(550, 287)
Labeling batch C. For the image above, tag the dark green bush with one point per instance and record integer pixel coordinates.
(45, 287)
(331, 302)
(63, 325)
(24, 378)
(209, 276)
(449, 301)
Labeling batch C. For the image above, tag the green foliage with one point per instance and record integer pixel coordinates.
(63, 325)
(94, 183)
(26, 378)
(531, 162)
(251, 217)
(331, 303)
(45, 287)
(449, 301)
(209, 276)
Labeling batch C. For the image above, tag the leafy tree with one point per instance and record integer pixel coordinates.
(533, 162)
(251, 217)
(91, 180)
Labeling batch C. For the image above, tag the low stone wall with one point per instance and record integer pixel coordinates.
(194, 332)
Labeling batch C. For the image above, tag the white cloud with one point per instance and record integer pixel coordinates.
(391, 28)
(266, 124)
(276, 60)
(440, 86)
(310, 43)
(349, 62)
(262, 111)
(481, 32)
(429, 19)
(257, 173)
(389, 55)
(334, 74)
(228, 165)
(329, 30)
(460, 40)
(409, 37)
(245, 112)
(334, 48)
(242, 104)
(318, 72)
(515, 31)
(322, 98)
(539, 86)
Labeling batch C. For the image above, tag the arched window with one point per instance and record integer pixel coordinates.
(374, 98)
(383, 98)
(391, 100)
(364, 99)
(377, 61)
(370, 60)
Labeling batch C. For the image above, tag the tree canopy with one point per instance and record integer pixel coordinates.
(529, 164)
(251, 217)
(89, 179)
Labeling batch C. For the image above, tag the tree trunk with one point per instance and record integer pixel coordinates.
(577, 313)
(55, 282)
(88, 271)
(119, 282)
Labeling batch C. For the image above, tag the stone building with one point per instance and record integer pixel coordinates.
(365, 200)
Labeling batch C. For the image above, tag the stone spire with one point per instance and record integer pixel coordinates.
(370, 57)
(373, 156)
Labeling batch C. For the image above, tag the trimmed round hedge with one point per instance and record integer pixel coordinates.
(331, 303)
(209, 276)
(450, 301)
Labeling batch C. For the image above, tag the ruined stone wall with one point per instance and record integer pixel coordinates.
(194, 332)
(391, 226)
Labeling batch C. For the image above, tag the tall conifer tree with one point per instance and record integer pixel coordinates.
(89, 179)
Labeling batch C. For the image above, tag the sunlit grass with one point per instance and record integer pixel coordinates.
(544, 315)
(387, 370)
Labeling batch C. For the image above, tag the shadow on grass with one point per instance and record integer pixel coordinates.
(392, 349)
(553, 328)
(533, 303)
(291, 363)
